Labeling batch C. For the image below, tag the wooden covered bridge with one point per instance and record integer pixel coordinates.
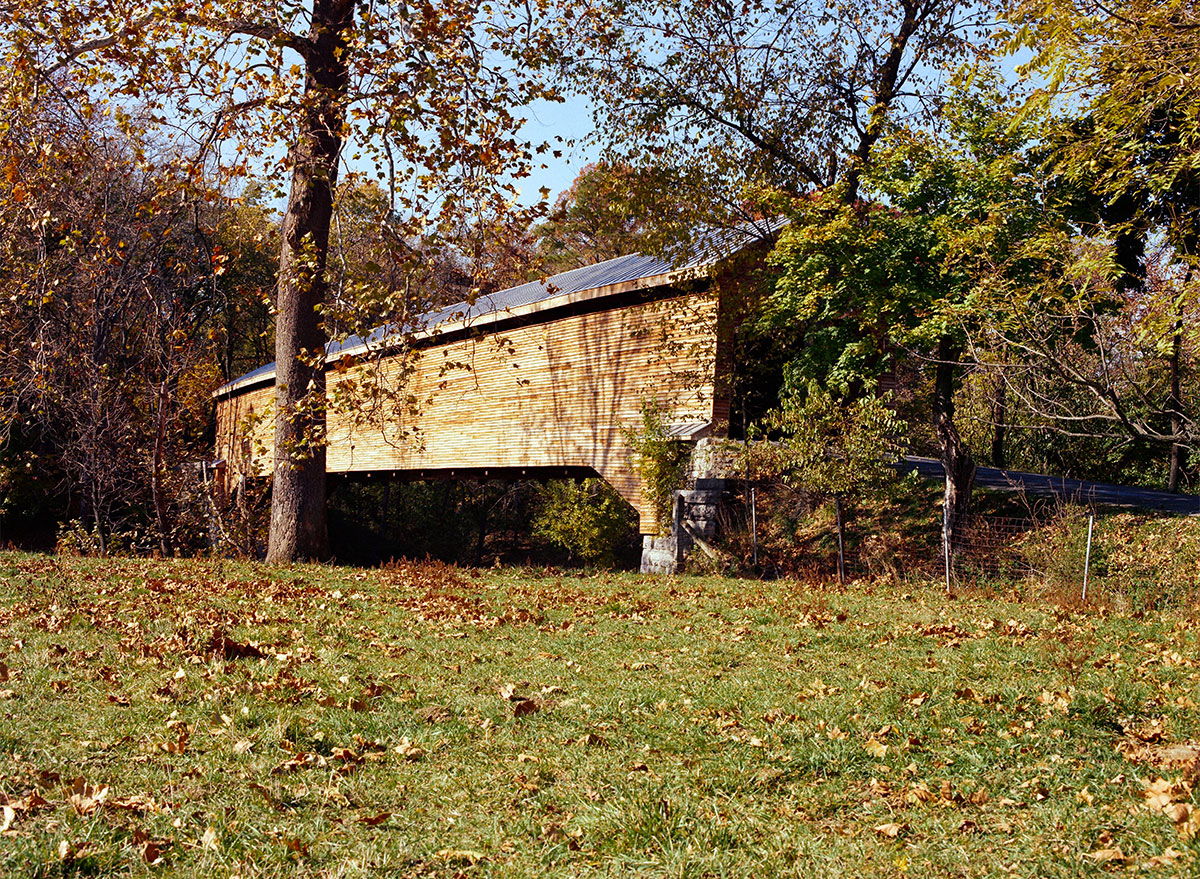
(542, 380)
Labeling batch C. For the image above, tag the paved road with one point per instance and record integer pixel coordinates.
(1075, 490)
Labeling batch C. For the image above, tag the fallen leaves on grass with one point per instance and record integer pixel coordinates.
(1167, 798)
(460, 856)
(220, 644)
(1109, 856)
(410, 752)
(875, 748)
(266, 795)
(525, 707)
(374, 820)
(151, 850)
(85, 798)
(890, 830)
(433, 714)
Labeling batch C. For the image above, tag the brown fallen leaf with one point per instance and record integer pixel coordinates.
(8, 817)
(509, 693)
(1109, 856)
(591, 740)
(891, 831)
(525, 707)
(222, 645)
(85, 798)
(266, 794)
(31, 802)
(299, 761)
(875, 748)
(4, 673)
(151, 850)
(433, 714)
(1166, 859)
(134, 803)
(410, 752)
(118, 699)
(376, 820)
(294, 844)
(455, 855)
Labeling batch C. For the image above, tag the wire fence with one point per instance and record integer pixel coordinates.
(785, 533)
(1014, 547)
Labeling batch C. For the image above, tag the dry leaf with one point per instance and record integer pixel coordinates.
(294, 845)
(891, 831)
(376, 820)
(85, 798)
(526, 706)
(875, 748)
(410, 752)
(135, 803)
(209, 839)
(266, 795)
(10, 815)
(434, 713)
(1166, 859)
(456, 855)
(591, 740)
(151, 852)
(1109, 856)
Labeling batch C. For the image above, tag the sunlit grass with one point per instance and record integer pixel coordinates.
(424, 721)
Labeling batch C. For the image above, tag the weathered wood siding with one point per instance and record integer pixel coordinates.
(556, 393)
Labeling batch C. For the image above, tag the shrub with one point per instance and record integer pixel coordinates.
(588, 519)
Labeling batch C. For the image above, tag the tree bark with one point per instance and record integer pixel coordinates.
(957, 461)
(298, 524)
(999, 423)
(885, 95)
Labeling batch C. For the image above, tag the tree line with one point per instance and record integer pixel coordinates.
(184, 199)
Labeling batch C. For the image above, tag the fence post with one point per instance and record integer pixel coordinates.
(837, 503)
(1087, 556)
(754, 525)
(946, 542)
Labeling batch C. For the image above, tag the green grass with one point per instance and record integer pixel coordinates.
(684, 726)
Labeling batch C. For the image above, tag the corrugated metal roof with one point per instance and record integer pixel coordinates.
(635, 267)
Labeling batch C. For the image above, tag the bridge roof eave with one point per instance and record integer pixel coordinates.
(384, 339)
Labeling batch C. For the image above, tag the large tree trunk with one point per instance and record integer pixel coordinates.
(298, 526)
(956, 457)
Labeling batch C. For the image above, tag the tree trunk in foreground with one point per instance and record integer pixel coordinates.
(298, 526)
(956, 457)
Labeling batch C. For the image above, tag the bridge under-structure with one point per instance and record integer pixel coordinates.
(538, 381)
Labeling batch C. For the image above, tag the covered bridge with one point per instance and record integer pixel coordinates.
(541, 380)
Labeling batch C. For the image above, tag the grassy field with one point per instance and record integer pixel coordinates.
(217, 719)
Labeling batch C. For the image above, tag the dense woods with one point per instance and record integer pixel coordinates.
(995, 205)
